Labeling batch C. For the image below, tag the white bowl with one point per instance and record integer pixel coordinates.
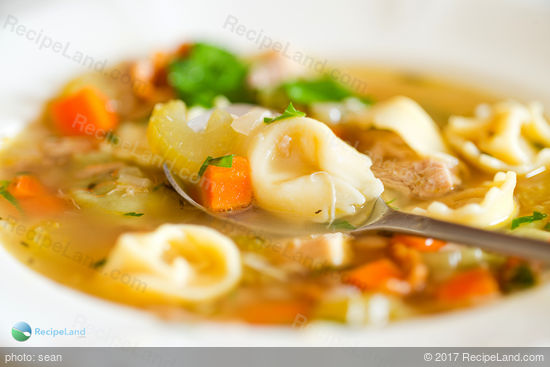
(501, 45)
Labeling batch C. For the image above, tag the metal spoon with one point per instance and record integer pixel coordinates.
(376, 217)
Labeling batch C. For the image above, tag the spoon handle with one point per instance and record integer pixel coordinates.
(487, 240)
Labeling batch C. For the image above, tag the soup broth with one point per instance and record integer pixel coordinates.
(110, 184)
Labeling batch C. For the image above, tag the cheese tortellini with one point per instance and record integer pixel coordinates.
(506, 136)
(188, 263)
(300, 169)
(496, 208)
(400, 115)
(407, 119)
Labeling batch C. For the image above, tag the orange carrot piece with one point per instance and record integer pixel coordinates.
(227, 188)
(85, 112)
(33, 197)
(25, 186)
(374, 275)
(274, 312)
(468, 286)
(423, 244)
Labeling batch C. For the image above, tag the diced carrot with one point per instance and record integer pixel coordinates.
(227, 188)
(423, 244)
(33, 197)
(468, 286)
(85, 112)
(375, 276)
(25, 186)
(275, 312)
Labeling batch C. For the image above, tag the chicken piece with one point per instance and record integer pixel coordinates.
(401, 169)
(424, 179)
(331, 249)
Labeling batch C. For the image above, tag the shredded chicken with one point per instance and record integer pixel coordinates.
(423, 179)
(401, 169)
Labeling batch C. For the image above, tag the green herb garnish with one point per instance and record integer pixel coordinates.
(225, 161)
(547, 227)
(528, 219)
(522, 277)
(158, 187)
(290, 111)
(99, 263)
(323, 89)
(8, 196)
(389, 202)
(112, 138)
(341, 224)
(133, 214)
(206, 72)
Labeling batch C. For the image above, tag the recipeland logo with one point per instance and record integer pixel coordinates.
(22, 331)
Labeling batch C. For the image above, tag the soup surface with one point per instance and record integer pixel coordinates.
(85, 202)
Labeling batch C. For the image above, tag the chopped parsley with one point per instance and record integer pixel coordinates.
(323, 89)
(207, 72)
(521, 277)
(8, 196)
(547, 227)
(158, 187)
(290, 111)
(528, 219)
(112, 138)
(225, 161)
(133, 214)
(341, 224)
(98, 264)
(389, 202)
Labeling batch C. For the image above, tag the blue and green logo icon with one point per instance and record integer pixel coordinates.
(21, 331)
